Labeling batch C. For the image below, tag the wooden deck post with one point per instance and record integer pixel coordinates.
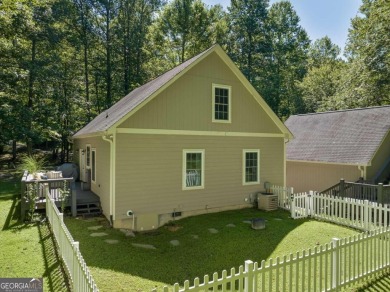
(380, 198)
(73, 198)
(342, 188)
(22, 195)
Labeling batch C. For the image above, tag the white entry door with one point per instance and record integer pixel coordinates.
(82, 165)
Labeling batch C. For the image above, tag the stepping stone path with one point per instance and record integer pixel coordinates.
(98, 234)
(111, 241)
(174, 242)
(195, 236)
(95, 227)
(247, 221)
(146, 246)
(128, 232)
(213, 230)
(230, 225)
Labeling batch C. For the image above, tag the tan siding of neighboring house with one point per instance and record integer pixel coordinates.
(187, 104)
(381, 156)
(304, 176)
(102, 185)
(149, 172)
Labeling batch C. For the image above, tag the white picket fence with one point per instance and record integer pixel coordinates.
(359, 214)
(78, 271)
(327, 267)
(284, 196)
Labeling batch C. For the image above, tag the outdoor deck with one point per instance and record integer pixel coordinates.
(87, 202)
(81, 202)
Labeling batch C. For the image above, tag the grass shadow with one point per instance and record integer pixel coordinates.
(380, 283)
(13, 213)
(200, 252)
(55, 271)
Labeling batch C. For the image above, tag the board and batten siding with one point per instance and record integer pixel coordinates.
(306, 176)
(187, 104)
(102, 185)
(149, 173)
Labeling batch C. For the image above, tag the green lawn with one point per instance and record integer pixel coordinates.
(26, 250)
(120, 266)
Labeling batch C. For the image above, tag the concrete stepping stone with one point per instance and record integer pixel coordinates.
(230, 225)
(278, 219)
(127, 232)
(195, 236)
(111, 241)
(95, 227)
(247, 221)
(98, 234)
(174, 242)
(146, 246)
(213, 230)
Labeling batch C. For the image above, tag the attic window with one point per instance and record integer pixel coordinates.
(221, 103)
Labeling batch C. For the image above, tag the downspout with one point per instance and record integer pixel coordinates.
(363, 171)
(110, 139)
(286, 140)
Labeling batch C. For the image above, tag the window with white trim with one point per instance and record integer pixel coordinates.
(88, 156)
(221, 103)
(251, 166)
(93, 165)
(193, 169)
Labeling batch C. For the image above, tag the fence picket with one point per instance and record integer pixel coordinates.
(68, 249)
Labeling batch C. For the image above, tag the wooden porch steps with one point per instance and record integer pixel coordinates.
(89, 209)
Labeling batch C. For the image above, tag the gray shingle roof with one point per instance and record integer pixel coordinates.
(350, 136)
(109, 117)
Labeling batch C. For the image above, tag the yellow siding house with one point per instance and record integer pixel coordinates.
(196, 139)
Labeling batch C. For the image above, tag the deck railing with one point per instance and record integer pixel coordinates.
(55, 187)
(361, 191)
(77, 269)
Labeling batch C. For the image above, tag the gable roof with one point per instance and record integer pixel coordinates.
(345, 137)
(141, 95)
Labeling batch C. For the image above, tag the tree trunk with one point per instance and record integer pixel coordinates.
(13, 150)
(31, 81)
(108, 57)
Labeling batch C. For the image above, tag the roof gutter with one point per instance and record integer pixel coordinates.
(110, 139)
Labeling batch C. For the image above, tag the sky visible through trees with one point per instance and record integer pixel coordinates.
(65, 61)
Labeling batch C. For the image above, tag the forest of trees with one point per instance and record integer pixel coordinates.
(65, 61)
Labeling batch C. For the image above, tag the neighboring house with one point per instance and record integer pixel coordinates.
(196, 139)
(349, 144)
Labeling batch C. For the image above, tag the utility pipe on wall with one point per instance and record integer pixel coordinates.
(110, 139)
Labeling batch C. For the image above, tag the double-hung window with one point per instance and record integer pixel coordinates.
(193, 169)
(251, 166)
(93, 165)
(222, 103)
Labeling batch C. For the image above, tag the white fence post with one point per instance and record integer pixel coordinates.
(292, 206)
(335, 263)
(75, 276)
(250, 286)
(366, 219)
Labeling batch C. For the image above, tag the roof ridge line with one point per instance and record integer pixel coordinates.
(344, 110)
